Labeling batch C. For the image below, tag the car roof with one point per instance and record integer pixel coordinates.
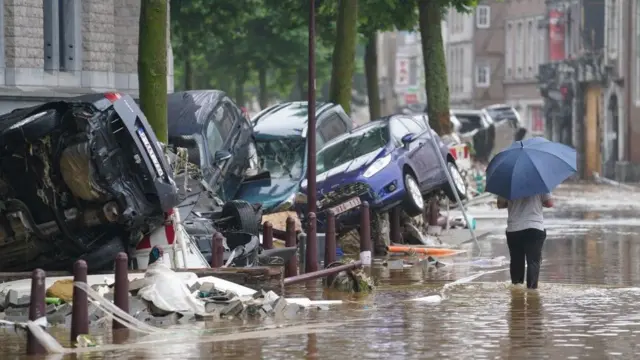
(358, 130)
(188, 110)
(466, 112)
(286, 119)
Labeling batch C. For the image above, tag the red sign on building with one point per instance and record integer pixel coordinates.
(556, 35)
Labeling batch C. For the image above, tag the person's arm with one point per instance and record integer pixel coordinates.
(502, 203)
(547, 200)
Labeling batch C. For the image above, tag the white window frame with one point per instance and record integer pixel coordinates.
(508, 50)
(519, 63)
(541, 51)
(636, 84)
(532, 40)
(486, 82)
(483, 16)
(612, 31)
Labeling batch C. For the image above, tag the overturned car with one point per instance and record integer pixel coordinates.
(213, 153)
(70, 171)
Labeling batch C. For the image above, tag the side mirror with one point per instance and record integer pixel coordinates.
(407, 139)
(221, 155)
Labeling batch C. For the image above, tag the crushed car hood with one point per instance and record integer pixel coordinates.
(269, 192)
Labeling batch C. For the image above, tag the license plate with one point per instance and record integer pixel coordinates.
(152, 154)
(348, 205)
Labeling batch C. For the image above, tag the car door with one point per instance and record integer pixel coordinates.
(425, 155)
(398, 129)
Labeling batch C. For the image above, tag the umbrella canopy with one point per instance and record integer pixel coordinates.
(531, 167)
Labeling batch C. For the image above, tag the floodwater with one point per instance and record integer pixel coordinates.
(586, 307)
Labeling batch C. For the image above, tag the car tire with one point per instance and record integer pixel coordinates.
(243, 217)
(413, 203)
(460, 185)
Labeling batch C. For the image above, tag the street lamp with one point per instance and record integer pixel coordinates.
(312, 245)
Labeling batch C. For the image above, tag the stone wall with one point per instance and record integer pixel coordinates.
(108, 36)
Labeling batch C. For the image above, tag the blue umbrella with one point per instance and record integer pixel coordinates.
(531, 167)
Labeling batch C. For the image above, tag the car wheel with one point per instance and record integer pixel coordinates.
(242, 217)
(413, 203)
(459, 184)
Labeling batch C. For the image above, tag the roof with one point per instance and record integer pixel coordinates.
(187, 110)
(286, 119)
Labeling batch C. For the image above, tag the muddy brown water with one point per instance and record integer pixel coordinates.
(587, 307)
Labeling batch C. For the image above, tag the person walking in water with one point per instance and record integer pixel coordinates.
(525, 236)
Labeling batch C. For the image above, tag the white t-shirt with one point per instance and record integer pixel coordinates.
(526, 213)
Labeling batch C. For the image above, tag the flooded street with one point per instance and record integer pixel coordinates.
(586, 307)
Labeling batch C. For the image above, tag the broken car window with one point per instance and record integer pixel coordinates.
(282, 156)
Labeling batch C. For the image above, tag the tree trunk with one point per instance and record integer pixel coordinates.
(371, 73)
(435, 67)
(239, 90)
(152, 65)
(344, 52)
(188, 72)
(264, 91)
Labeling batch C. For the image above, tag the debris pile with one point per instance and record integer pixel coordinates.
(217, 304)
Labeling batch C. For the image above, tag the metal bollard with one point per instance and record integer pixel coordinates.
(394, 220)
(330, 243)
(121, 287)
(365, 234)
(291, 268)
(267, 236)
(434, 212)
(217, 250)
(36, 310)
(311, 259)
(80, 305)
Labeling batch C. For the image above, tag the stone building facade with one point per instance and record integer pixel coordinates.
(53, 49)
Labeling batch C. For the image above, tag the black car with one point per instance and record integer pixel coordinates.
(80, 178)
(218, 140)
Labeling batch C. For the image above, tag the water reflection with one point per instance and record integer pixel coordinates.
(577, 312)
(525, 321)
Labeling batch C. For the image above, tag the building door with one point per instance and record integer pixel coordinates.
(592, 157)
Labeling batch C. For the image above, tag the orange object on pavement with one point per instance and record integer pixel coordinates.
(423, 250)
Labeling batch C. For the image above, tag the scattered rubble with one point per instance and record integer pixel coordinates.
(217, 305)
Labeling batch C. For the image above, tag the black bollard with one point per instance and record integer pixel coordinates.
(80, 305)
(291, 268)
(267, 236)
(365, 234)
(394, 220)
(36, 310)
(311, 259)
(217, 250)
(330, 243)
(121, 287)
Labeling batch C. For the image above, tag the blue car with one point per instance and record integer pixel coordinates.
(388, 162)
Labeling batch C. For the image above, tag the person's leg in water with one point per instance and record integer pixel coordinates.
(517, 254)
(533, 240)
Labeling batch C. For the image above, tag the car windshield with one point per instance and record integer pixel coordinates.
(359, 143)
(500, 114)
(282, 157)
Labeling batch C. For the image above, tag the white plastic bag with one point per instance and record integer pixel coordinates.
(167, 290)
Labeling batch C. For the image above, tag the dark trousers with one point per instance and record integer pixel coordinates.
(526, 244)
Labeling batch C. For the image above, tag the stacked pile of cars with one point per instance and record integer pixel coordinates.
(86, 178)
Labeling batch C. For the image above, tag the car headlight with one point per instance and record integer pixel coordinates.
(286, 204)
(377, 166)
(303, 184)
(27, 120)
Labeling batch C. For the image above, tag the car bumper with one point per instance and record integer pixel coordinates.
(382, 191)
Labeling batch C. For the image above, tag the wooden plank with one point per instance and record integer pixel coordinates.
(242, 276)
